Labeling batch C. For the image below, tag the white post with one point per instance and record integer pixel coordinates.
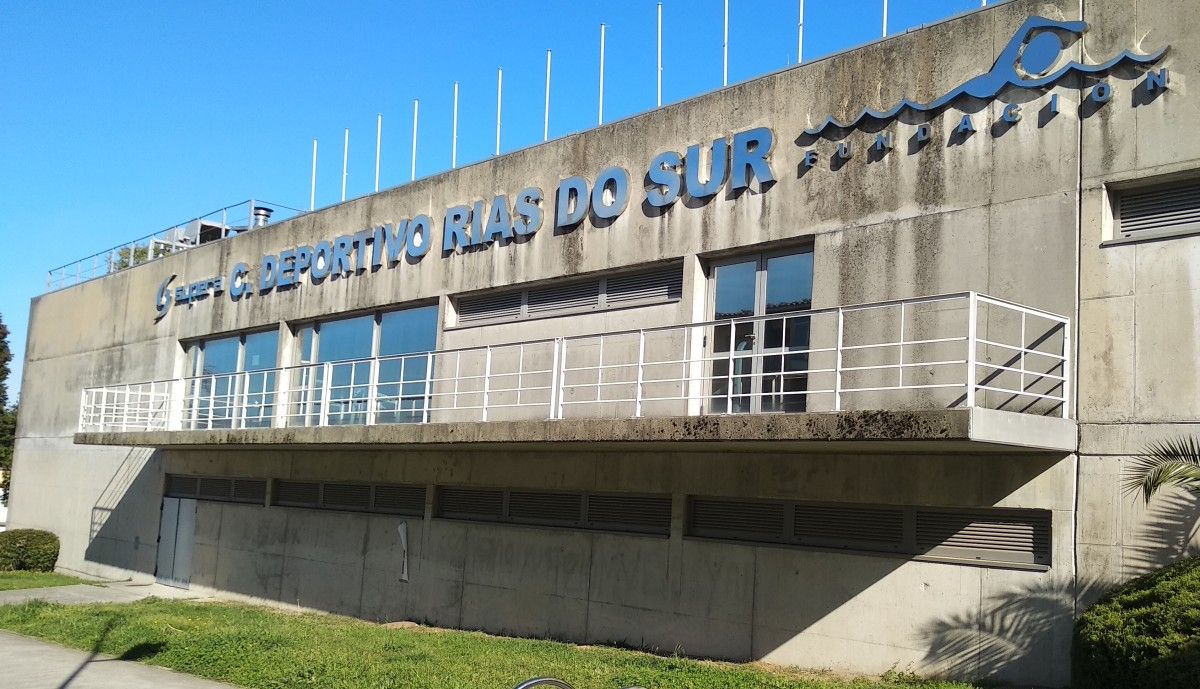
(312, 193)
(345, 157)
(659, 55)
(499, 101)
(546, 121)
(454, 131)
(800, 36)
(837, 366)
(600, 118)
(637, 405)
(378, 140)
(885, 8)
(972, 332)
(412, 175)
(725, 49)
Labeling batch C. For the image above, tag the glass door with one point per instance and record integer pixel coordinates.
(759, 363)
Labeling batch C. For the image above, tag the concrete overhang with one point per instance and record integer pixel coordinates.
(970, 431)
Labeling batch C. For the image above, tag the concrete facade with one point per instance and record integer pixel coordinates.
(1018, 211)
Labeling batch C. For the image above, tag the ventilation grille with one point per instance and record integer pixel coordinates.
(1161, 209)
(297, 493)
(345, 496)
(553, 508)
(409, 500)
(250, 490)
(640, 513)
(656, 286)
(216, 489)
(993, 536)
(182, 486)
(749, 520)
(660, 285)
(470, 503)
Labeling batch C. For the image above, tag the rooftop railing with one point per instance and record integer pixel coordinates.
(955, 350)
(210, 227)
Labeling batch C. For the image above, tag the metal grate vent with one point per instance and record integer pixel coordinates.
(1013, 537)
(572, 296)
(849, 526)
(297, 493)
(565, 509)
(1164, 208)
(470, 503)
(642, 513)
(249, 490)
(407, 500)
(346, 496)
(655, 286)
(743, 519)
(491, 306)
(216, 489)
(182, 486)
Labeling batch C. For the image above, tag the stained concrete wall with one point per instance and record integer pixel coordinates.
(1139, 319)
(999, 212)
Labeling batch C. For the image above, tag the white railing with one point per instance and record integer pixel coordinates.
(956, 350)
(218, 224)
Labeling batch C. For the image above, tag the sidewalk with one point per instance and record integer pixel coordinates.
(27, 663)
(116, 592)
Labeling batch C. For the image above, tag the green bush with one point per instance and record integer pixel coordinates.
(28, 549)
(1145, 633)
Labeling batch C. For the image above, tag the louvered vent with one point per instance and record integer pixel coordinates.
(297, 493)
(345, 496)
(491, 306)
(565, 509)
(657, 286)
(216, 489)
(641, 513)
(407, 500)
(849, 527)
(182, 486)
(470, 503)
(754, 521)
(572, 296)
(249, 490)
(1016, 537)
(1161, 209)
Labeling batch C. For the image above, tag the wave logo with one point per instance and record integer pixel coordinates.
(162, 300)
(1026, 62)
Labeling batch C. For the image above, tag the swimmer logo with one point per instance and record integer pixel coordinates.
(1034, 48)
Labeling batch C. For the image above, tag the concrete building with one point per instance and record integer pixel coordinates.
(722, 378)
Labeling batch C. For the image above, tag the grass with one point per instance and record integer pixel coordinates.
(11, 581)
(267, 649)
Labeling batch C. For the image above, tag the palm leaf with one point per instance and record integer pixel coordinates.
(1167, 463)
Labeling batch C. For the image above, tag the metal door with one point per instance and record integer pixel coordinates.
(176, 535)
(759, 363)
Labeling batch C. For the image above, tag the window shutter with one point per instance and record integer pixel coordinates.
(572, 296)
(665, 284)
(488, 307)
(746, 520)
(406, 500)
(1164, 208)
(1022, 538)
(846, 526)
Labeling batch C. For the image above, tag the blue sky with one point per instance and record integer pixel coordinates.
(121, 119)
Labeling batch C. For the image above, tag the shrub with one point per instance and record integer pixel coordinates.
(28, 549)
(1145, 633)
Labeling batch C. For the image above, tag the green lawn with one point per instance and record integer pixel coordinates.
(262, 648)
(11, 581)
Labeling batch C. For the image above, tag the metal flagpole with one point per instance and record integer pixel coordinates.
(660, 54)
(885, 2)
(412, 175)
(499, 92)
(600, 118)
(725, 49)
(800, 36)
(345, 157)
(546, 121)
(454, 131)
(378, 139)
(312, 194)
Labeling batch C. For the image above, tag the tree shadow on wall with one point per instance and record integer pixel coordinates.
(123, 529)
(1169, 530)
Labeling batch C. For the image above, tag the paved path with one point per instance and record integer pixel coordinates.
(118, 592)
(27, 663)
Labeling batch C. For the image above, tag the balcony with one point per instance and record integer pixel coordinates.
(977, 371)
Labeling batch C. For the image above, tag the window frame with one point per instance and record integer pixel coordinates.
(1112, 193)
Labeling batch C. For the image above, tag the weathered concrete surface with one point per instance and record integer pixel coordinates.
(82, 594)
(34, 664)
(942, 430)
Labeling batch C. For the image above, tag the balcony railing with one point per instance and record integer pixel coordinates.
(219, 224)
(955, 350)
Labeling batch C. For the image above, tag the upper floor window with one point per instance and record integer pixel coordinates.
(232, 380)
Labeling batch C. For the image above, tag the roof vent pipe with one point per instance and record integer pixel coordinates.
(262, 216)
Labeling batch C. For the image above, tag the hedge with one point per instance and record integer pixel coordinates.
(1145, 633)
(28, 549)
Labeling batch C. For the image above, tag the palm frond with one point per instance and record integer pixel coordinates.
(1173, 462)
